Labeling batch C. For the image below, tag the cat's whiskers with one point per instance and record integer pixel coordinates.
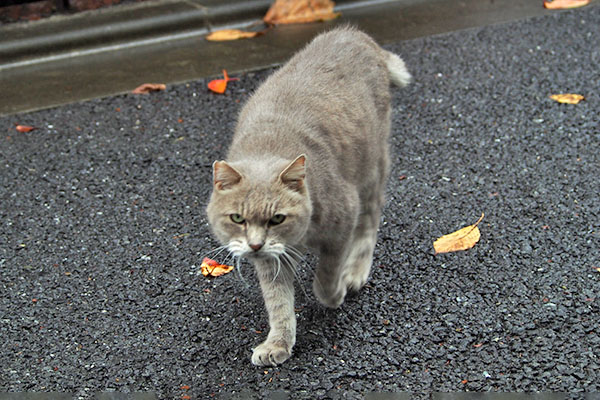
(238, 264)
(291, 263)
(278, 262)
(235, 253)
(295, 252)
(214, 253)
(300, 257)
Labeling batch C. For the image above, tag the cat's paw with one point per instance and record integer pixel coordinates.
(356, 279)
(271, 353)
(329, 298)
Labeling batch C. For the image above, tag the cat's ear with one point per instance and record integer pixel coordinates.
(224, 175)
(293, 175)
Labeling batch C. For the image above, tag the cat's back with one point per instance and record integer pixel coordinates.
(334, 94)
(342, 62)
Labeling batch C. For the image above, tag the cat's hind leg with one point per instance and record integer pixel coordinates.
(359, 260)
(360, 257)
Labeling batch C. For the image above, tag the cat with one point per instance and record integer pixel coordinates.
(306, 170)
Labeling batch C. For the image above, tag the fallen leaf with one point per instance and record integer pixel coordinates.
(300, 11)
(212, 268)
(24, 128)
(462, 239)
(219, 85)
(231, 34)
(568, 98)
(563, 4)
(146, 88)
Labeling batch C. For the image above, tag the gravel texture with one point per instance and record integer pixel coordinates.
(102, 232)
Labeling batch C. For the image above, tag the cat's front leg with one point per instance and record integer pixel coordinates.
(277, 286)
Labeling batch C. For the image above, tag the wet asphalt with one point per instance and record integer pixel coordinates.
(103, 232)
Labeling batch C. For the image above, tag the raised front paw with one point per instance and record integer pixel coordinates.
(329, 297)
(271, 353)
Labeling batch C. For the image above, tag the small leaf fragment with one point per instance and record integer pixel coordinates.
(220, 85)
(24, 128)
(212, 268)
(462, 239)
(568, 98)
(146, 88)
(231, 34)
(564, 4)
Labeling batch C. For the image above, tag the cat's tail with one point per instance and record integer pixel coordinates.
(399, 75)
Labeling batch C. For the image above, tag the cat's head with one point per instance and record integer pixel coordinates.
(258, 207)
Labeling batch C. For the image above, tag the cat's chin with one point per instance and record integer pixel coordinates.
(258, 255)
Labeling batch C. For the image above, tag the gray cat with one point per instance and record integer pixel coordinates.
(307, 170)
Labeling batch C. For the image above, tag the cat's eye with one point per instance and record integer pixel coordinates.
(237, 218)
(277, 219)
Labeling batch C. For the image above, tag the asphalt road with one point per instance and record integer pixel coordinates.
(103, 232)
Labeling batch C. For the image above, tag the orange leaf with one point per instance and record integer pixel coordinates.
(231, 34)
(24, 128)
(563, 4)
(568, 98)
(212, 268)
(462, 239)
(219, 85)
(300, 11)
(149, 87)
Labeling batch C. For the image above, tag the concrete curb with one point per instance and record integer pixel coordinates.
(27, 41)
(106, 52)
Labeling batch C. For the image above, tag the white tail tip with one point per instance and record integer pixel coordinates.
(398, 72)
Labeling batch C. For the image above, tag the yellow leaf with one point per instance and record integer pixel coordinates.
(462, 239)
(300, 11)
(212, 268)
(563, 4)
(568, 98)
(231, 34)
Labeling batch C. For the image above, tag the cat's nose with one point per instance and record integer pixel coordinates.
(256, 246)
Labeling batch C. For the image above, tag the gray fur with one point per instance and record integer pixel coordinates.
(311, 144)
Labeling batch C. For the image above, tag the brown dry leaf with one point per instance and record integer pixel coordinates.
(212, 268)
(231, 34)
(146, 88)
(300, 11)
(563, 4)
(462, 239)
(568, 98)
